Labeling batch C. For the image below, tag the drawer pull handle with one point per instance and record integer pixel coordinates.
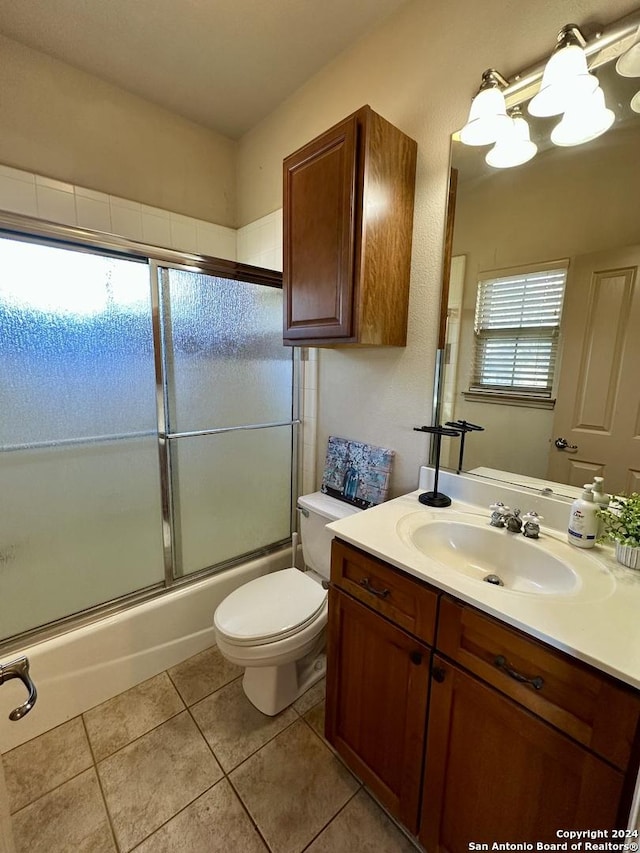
(536, 681)
(381, 593)
(415, 658)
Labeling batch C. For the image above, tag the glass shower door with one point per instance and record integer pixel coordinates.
(81, 512)
(229, 417)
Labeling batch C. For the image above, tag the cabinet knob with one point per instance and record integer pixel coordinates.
(415, 658)
(438, 674)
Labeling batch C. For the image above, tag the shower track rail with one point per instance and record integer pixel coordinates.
(124, 436)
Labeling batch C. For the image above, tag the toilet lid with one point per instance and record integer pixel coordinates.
(270, 607)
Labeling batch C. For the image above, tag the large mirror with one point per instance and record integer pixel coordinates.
(570, 217)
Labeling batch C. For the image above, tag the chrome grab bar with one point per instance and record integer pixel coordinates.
(20, 669)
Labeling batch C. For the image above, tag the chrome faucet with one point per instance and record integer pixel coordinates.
(498, 515)
(19, 668)
(513, 522)
(527, 524)
(531, 525)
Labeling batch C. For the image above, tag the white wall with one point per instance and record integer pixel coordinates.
(419, 70)
(68, 125)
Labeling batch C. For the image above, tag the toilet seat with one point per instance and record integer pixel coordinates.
(270, 608)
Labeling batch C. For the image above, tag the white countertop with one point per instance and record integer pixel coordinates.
(602, 631)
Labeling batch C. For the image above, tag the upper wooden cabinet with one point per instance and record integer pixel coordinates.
(348, 219)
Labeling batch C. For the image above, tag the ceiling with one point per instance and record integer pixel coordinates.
(224, 64)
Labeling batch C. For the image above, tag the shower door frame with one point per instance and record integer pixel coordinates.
(29, 229)
(166, 437)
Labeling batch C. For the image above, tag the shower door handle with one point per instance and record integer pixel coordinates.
(20, 669)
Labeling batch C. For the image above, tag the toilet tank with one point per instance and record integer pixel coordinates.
(317, 510)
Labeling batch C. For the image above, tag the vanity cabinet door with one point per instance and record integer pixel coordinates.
(494, 772)
(377, 692)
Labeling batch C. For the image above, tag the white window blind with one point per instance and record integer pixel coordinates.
(516, 326)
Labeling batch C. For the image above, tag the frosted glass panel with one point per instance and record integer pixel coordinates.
(225, 360)
(79, 526)
(232, 494)
(80, 516)
(76, 347)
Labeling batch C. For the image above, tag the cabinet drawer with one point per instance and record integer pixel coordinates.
(408, 603)
(589, 706)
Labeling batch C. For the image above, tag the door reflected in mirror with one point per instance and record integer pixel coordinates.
(531, 381)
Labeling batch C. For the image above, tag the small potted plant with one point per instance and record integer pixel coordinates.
(621, 523)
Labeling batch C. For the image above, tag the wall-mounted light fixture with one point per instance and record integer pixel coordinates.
(563, 86)
(514, 147)
(566, 76)
(585, 119)
(628, 65)
(488, 117)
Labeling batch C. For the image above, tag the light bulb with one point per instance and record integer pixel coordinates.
(564, 79)
(628, 65)
(514, 147)
(586, 119)
(487, 118)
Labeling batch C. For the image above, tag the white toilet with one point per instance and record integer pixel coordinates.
(274, 625)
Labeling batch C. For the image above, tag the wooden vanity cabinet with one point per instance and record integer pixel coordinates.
(348, 219)
(497, 773)
(520, 739)
(378, 677)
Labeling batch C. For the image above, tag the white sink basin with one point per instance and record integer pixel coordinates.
(467, 544)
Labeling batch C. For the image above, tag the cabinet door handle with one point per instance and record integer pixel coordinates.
(381, 593)
(415, 658)
(438, 674)
(537, 681)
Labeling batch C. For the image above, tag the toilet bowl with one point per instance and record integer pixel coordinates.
(274, 625)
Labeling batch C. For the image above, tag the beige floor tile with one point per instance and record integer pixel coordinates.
(315, 718)
(200, 675)
(214, 823)
(232, 726)
(45, 762)
(117, 722)
(292, 788)
(310, 698)
(152, 779)
(361, 827)
(70, 818)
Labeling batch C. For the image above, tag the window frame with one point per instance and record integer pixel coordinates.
(514, 394)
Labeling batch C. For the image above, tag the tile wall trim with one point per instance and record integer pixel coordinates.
(34, 195)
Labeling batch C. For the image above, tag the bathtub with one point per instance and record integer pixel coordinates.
(87, 665)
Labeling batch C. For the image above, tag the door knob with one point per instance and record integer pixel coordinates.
(563, 444)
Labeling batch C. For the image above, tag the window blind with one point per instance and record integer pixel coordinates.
(516, 327)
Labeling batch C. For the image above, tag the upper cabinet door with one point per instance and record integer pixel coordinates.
(320, 209)
(348, 219)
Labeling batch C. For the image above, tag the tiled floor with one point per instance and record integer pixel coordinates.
(185, 764)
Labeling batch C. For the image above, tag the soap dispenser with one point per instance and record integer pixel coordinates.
(583, 520)
(599, 495)
(601, 498)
